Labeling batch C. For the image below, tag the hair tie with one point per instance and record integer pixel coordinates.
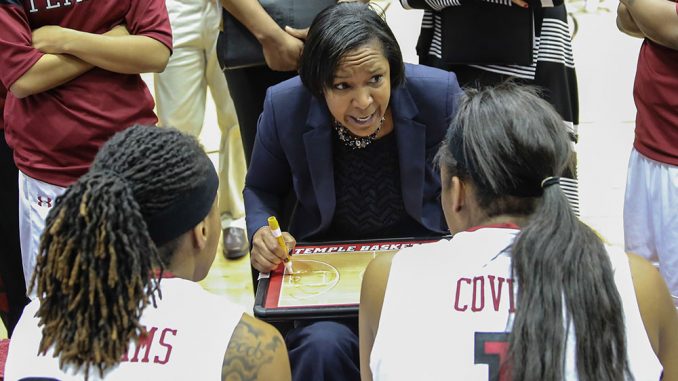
(551, 180)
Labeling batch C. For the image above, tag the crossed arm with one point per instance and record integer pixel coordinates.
(70, 53)
(653, 19)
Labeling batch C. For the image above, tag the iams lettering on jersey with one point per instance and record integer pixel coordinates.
(160, 349)
(50, 4)
(475, 294)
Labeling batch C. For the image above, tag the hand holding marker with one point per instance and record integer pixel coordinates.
(275, 229)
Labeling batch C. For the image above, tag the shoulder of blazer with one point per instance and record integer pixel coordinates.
(427, 80)
(431, 90)
(288, 92)
(290, 101)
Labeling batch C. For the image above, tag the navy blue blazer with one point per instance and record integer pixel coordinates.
(293, 151)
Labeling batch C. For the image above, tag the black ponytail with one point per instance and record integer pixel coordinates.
(507, 140)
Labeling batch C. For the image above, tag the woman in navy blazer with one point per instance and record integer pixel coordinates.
(353, 139)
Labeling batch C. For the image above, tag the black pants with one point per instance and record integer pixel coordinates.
(11, 270)
(248, 89)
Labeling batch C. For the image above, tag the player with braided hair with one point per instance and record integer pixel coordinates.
(523, 290)
(119, 258)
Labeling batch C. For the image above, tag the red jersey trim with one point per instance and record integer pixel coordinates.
(166, 274)
(504, 225)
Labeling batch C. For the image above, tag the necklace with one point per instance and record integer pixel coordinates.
(355, 142)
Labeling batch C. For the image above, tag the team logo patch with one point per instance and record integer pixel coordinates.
(44, 201)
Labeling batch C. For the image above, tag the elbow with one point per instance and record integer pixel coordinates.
(671, 43)
(625, 26)
(622, 19)
(159, 63)
(620, 24)
(20, 90)
(157, 67)
(154, 61)
(668, 37)
(625, 22)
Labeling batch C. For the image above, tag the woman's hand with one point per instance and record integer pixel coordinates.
(520, 3)
(48, 39)
(297, 33)
(266, 254)
(283, 52)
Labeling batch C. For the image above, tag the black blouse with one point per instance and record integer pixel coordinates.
(369, 202)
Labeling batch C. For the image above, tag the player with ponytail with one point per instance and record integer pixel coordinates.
(524, 290)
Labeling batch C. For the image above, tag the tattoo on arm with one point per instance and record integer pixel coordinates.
(248, 351)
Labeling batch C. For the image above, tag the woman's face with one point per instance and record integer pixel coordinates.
(361, 89)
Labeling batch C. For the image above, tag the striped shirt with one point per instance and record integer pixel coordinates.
(552, 67)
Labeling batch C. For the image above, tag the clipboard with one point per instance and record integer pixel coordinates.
(326, 280)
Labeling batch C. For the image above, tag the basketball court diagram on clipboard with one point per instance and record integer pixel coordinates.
(325, 276)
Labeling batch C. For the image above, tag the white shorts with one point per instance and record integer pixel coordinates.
(651, 215)
(36, 198)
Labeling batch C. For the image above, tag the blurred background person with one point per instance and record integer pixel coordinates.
(72, 71)
(11, 273)
(181, 92)
(570, 307)
(651, 200)
(552, 67)
(550, 63)
(138, 231)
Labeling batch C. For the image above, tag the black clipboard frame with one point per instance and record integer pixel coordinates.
(280, 314)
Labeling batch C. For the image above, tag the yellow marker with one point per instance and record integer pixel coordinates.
(275, 229)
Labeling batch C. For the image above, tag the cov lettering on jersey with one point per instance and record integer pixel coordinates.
(480, 292)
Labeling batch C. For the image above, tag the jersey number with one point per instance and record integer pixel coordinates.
(491, 348)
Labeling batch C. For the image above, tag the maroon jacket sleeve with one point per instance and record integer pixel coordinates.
(17, 54)
(3, 95)
(149, 18)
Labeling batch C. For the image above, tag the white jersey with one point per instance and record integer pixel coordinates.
(188, 334)
(464, 291)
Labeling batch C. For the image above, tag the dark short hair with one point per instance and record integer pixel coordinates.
(336, 31)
